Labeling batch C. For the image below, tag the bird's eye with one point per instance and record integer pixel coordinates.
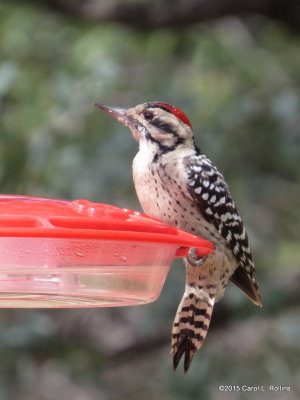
(148, 115)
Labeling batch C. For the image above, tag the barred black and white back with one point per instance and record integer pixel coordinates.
(207, 187)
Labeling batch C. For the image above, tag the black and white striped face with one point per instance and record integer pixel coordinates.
(163, 126)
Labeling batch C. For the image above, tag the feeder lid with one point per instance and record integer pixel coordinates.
(32, 217)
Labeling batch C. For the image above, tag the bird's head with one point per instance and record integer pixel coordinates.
(161, 126)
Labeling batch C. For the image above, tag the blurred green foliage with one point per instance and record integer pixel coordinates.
(239, 84)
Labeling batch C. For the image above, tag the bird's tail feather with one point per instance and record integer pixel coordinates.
(190, 325)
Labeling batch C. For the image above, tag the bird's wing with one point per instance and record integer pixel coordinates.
(208, 189)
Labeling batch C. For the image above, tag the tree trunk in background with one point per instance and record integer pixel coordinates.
(167, 13)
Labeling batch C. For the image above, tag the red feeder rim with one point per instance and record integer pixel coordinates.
(26, 216)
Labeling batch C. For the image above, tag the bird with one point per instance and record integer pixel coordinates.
(178, 184)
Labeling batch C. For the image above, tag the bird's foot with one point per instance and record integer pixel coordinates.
(194, 259)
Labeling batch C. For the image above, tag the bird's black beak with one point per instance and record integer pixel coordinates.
(122, 115)
(119, 113)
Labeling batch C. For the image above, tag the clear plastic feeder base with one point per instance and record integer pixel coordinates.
(54, 272)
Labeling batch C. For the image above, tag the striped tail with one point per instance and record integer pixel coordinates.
(190, 325)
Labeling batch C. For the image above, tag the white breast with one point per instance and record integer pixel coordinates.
(144, 182)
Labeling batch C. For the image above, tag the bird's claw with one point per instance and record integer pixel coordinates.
(194, 259)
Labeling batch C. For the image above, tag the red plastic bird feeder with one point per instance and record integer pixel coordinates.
(58, 253)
